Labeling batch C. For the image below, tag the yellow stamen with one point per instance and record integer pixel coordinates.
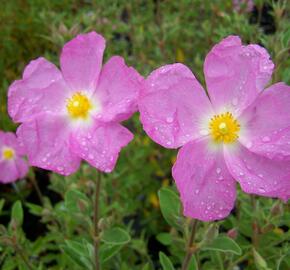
(78, 106)
(8, 153)
(224, 128)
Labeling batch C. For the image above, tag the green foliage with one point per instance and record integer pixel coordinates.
(140, 212)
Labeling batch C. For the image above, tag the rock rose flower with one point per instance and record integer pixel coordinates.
(75, 113)
(12, 164)
(239, 132)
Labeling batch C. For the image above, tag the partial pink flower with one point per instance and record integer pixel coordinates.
(74, 113)
(239, 132)
(12, 164)
(243, 5)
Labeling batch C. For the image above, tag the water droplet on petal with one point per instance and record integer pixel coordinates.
(266, 139)
(262, 190)
(218, 170)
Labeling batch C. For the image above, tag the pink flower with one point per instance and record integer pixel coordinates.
(239, 133)
(12, 165)
(75, 113)
(243, 5)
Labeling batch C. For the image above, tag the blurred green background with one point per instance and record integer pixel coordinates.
(147, 34)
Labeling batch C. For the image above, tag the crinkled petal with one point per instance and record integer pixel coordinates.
(267, 123)
(100, 146)
(81, 61)
(173, 106)
(42, 89)
(236, 74)
(206, 188)
(12, 170)
(118, 90)
(258, 174)
(46, 141)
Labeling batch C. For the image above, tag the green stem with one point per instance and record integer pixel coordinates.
(255, 234)
(20, 252)
(96, 220)
(190, 247)
(37, 189)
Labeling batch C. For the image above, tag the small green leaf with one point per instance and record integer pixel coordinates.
(224, 244)
(146, 267)
(193, 264)
(170, 207)
(34, 209)
(259, 261)
(108, 251)
(78, 253)
(2, 201)
(17, 213)
(165, 262)
(164, 238)
(74, 199)
(116, 236)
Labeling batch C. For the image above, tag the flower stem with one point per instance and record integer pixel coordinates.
(255, 226)
(37, 189)
(190, 246)
(96, 220)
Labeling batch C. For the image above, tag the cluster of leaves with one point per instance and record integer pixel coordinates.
(141, 224)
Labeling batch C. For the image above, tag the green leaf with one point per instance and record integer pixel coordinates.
(146, 267)
(164, 238)
(2, 201)
(259, 261)
(78, 253)
(224, 244)
(34, 209)
(108, 251)
(193, 264)
(165, 262)
(170, 207)
(116, 236)
(17, 213)
(75, 200)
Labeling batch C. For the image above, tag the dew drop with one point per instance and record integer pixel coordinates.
(218, 170)
(266, 139)
(262, 190)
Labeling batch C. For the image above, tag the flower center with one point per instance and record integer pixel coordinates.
(224, 128)
(78, 106)
(8, 153)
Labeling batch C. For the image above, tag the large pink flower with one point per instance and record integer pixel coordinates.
(74, 113)
(240, 132)
(12, 164)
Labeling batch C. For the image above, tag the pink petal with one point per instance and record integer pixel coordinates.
(46, 141)
(206, 188)
(41, 89)
(8, 139)
(259, 175)
(267, 123)
(118, 90)
(12, 170)
(101, 145)
(236, 74)
(81, 61)
(172, 106)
